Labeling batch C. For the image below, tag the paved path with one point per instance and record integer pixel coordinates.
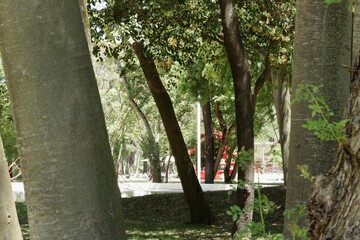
(134, 187)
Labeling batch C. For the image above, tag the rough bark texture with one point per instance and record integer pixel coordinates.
(153, 151)
(334, 209)
(322, 45)
(198, 206)
(243, 104)
(9, 223)
(281, 98)
(209, 143)
(69, 177)
(356, 29)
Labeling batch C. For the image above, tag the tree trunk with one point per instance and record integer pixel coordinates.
(9, 223)
(229, 177)
(356, 29)
(322, 45)
(244, 109)
(69, 176)
(198, 206)
(225, 137)
(167, 167)
(334, 209)
(281, 98)
(153, 150)
(209, 143)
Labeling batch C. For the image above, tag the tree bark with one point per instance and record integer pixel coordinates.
(243, 104)
(225, 137)
(69, 177)
(198, 206)
(9, 223)
(209, 143)
(281, 98)
(334, 209)
(153, 151)
(322, 45)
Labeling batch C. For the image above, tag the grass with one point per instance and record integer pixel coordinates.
(165, 216)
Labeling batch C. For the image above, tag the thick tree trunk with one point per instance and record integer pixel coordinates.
(243, 104)
(69, 176)
(334, 209)
(209, 143)
(9, 223)
(322, 45)
(281, 98)
(198, 206)
(153, 151)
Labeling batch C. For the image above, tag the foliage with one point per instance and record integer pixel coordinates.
(7, 129)
(331, 1)
(261, 205)
(295, 214)
(275, 157)
(304, 169)
(244, 156)
(320, 123)
(187, 34)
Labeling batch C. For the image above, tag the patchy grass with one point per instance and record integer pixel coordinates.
(166, 216)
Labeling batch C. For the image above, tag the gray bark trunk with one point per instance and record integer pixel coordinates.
(281, 95)
(153, 151)
(334, 209)
(9, 223)
(69, 175)
(322, 45)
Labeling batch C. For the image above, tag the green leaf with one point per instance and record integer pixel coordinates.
(234, 217)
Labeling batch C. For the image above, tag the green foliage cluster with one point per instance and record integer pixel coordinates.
(261, 205)
(6, 122)
(268, 25)
(295, 214)
(320, 123)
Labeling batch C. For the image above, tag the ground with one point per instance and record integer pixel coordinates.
(165, 216)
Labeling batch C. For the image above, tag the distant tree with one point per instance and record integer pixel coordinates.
(133, 23)
(69, 175)
(199, 208)
(151, 145)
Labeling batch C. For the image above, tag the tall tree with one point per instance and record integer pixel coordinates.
(281, 97)
(69, 175)
(198, 206)
(322, 45)
(244, 108)
(152, 145)
(9, 223)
